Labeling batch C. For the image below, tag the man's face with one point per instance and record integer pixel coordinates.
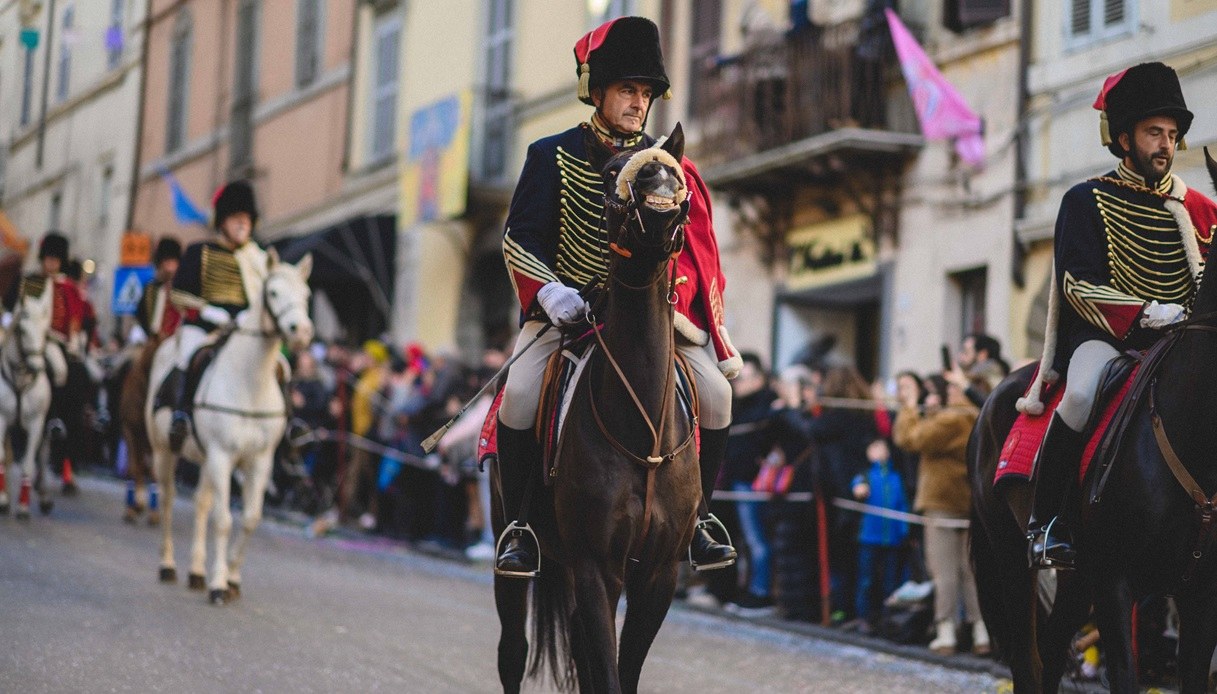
(749, 381)
(1151, 146)
(237, 228)
(51, 265)
(166, 269)
(967, 353)
(624, 105)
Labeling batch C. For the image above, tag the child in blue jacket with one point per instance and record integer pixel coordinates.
(880, 539)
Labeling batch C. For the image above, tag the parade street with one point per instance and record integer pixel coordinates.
(82, 611)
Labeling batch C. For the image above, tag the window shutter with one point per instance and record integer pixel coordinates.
(308, 22)
(1113, 12)
(1079, 22)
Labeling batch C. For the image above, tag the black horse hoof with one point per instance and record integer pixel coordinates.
(234, 590)
(129, 516)
(4, 510)
(45, 507)
(70, 489)
(196, 582)
(217, 597)
(23, 514)
(168, 575)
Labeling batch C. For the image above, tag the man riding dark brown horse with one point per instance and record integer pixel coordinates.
(1129, 248)
(555, 242)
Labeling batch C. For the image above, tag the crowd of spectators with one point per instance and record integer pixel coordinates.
(849, 500)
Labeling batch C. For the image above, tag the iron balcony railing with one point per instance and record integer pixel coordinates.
(791, 87)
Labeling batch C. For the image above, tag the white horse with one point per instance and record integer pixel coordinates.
(239, 418)
(25, 397)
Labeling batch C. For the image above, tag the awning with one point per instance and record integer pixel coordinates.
(354, 264)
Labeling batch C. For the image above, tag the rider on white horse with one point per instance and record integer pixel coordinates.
(66, 317)
(214, 282)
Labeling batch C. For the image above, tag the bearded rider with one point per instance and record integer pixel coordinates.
(1129, 247)
(553, 243)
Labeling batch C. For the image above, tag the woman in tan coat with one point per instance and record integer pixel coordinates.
(940, 436)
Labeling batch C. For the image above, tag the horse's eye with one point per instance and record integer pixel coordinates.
(274, 294)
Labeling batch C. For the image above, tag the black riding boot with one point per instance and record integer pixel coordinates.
(1051, 542)
(518, 556)
(179, 426)
(705, 552)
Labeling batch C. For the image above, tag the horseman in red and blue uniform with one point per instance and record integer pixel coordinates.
(1129, 249)
(66, 338)
(554, 243)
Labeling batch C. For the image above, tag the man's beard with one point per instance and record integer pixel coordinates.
(1144, 163)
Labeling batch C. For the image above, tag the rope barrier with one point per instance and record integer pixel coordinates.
(433, 463)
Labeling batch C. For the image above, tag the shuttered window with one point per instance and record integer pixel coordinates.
(497, 113)
(66, 38)
(386, 56)
(308, 41)
(245, 89)
(703, 51)
(1091, 21)
(179, 81)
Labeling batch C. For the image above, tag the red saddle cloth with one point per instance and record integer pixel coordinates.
(1023, 442)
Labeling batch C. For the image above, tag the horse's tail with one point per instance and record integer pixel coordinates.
(552, 605)
(987, 569)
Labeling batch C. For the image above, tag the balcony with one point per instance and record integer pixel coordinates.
(797, 107)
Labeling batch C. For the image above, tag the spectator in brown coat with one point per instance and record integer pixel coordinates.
(940, 436)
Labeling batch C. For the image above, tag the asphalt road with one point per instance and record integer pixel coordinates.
(81, 611)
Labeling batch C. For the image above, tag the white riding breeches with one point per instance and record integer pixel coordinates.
(523, 393)
(189, 339)
(1082, 382)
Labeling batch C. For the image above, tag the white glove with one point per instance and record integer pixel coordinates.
(562, 304)
(215, 315)
(1158, 315)
(6, 320)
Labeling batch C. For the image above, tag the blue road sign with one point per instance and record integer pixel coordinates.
(129, 284)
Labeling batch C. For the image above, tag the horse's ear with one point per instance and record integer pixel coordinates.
(272, 257)
(675, 144)
(305, 266)
(1208, 159)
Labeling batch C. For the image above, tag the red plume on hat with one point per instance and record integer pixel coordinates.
(1137, 93)
(626, 48)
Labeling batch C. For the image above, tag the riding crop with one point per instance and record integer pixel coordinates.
(432, 440)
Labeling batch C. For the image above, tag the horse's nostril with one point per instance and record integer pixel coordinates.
(293, 328)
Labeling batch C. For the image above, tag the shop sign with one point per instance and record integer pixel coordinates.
(831, 252)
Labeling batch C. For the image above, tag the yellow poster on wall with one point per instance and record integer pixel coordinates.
(830, 252)
(435, 168)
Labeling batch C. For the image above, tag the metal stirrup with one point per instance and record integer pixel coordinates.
(709, 521)
(515, 529)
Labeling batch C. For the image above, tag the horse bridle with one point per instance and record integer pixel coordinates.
(1205, 506)
(672, 246)
(270, 311)
(23, 367)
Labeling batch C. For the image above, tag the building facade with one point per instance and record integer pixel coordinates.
(70, 71)
(274, 92)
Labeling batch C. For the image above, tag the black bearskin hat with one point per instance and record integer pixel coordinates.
(167, 249)
(237, 196)
(1140, 92)
(54, 245)
(626, 48)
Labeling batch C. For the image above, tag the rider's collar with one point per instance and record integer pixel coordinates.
(1163, 186)
(611, 137)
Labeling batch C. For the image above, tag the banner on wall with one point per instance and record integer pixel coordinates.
(831, 252)
(435, 170)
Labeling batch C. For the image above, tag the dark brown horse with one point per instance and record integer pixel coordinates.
(611, 521)
(131, 420)
(1137, 538)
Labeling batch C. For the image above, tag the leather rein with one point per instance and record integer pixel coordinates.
(656, 458)
(1205, 506)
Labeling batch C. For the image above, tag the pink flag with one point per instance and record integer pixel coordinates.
(941, 110)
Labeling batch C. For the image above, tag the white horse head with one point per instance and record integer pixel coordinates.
(28, 333)
(285, 295)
